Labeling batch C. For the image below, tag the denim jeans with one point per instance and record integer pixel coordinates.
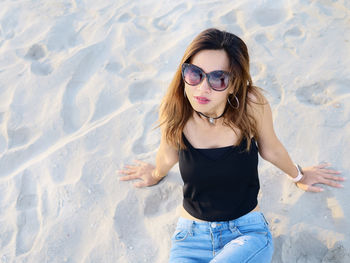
(245, 239)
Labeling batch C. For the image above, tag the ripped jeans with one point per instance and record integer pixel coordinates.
(245, 239)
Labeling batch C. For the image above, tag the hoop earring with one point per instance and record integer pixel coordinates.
(229, 102)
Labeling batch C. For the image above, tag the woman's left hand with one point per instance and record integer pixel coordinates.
(319, 175)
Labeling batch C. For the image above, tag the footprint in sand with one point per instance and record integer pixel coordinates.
(229, 18)
(63, 35)
(162, 200)
(257, 69)
(124, 18)
(331, 9)
(27, 214)
(165, 21)
(332, 97)
(76, 112)
(18, 137)
(267, 16)
(141, 90)
(109, 100)
(261, 38)
(149, 122)
(130, 229)
(336, 254)
(42, 69)
(323, 93)
(36, 52)
(113, 67)
(303, 244)
(294, 32)
(292, 39)
(274, 92)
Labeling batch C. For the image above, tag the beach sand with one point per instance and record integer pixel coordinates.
(80, 87)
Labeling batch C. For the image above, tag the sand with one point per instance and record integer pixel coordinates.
(80, 87)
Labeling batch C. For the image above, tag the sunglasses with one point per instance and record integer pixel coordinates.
(217, 80)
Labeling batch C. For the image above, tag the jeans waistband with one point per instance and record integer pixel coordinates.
(255, 217)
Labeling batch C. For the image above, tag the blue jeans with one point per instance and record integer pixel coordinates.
(245, 239)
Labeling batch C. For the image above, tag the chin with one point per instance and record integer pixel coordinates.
(199, 107)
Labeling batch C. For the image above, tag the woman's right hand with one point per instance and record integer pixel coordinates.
(141, 170)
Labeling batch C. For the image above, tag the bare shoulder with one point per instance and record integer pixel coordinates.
(262, 113)
(256, 103)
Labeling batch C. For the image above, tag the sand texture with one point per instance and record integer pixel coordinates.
(80, 87)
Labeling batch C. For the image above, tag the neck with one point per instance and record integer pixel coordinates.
(210, 118)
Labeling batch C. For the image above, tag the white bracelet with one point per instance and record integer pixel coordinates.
(300, 174)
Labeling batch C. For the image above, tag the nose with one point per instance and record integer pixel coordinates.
(204, 85)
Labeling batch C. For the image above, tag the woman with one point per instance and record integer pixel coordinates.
(214, 122)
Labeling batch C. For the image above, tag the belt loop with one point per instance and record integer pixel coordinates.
(191, 228)
(231, 224)
(264, 218)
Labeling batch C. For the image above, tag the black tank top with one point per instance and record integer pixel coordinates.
(220, 184)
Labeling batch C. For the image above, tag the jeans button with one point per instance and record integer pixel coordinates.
(213, 225)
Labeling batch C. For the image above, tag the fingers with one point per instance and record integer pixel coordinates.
(140, 184)
(335, 178)
(128, 177)
(127, 172)
(130, 167)
(328, 178)
(330, 171)
(323, 165)
(331, 183)
(315, 189)
(130, 173)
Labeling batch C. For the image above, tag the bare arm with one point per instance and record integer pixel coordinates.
(270, 147)
(167, 157)
(272, 150)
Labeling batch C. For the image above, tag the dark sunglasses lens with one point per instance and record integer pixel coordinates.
(192, 75)
(218, 80)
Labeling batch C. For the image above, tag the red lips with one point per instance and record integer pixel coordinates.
(202, 100)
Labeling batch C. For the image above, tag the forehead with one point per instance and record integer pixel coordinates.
(210, 60)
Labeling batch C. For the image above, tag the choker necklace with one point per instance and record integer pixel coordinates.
(211, 119)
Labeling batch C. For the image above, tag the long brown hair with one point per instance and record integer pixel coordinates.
(175, 109)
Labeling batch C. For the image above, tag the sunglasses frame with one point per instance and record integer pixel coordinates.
(207, 75)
